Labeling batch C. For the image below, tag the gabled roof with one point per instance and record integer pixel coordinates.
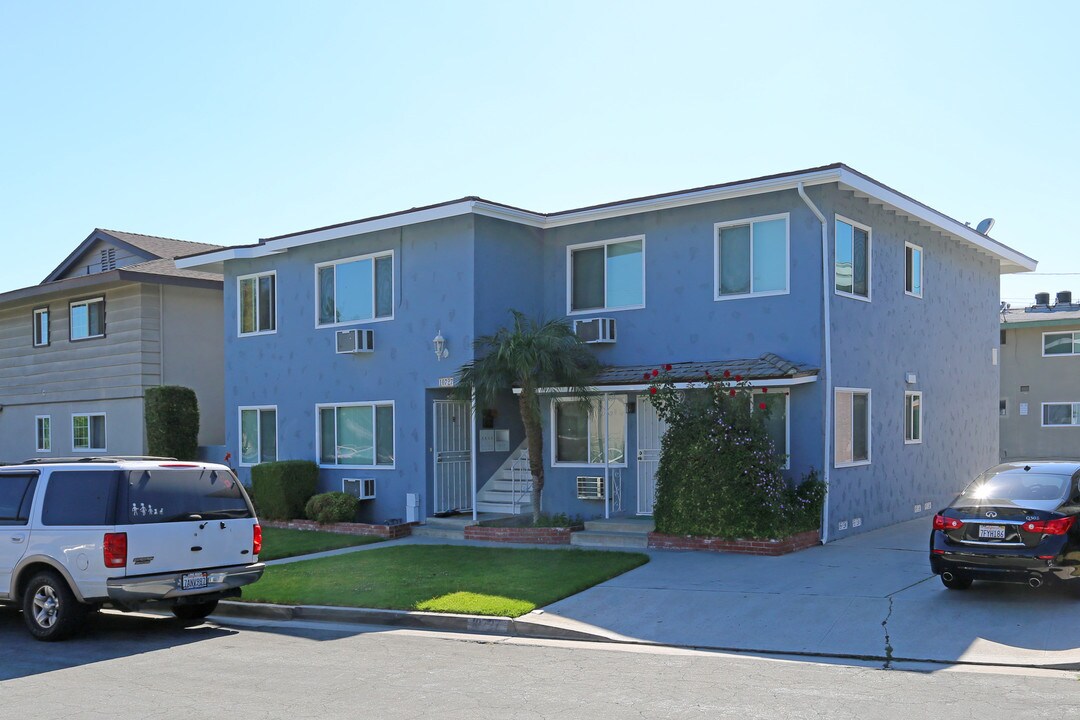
(150, 247)
(847, 178)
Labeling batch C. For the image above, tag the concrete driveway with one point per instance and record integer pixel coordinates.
(869, 596)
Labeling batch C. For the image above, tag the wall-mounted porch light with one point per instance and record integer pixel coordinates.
(440, 346)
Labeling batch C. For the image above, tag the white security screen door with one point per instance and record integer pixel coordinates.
(650, 429)
(453, 458)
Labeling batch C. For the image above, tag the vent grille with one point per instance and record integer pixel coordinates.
(590, 488)
(108, 259)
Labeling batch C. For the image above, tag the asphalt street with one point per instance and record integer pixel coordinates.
(142, 666)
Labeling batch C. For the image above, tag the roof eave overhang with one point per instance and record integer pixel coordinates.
(685, 385)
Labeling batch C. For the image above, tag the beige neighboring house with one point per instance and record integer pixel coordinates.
(78, 350)
(1040, 379)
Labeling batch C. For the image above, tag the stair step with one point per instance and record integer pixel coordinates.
(438, 532)
(595, 538)
(505, 508)
(623, 525)
(507, 484)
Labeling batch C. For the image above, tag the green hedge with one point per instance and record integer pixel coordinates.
(332, 507)
(281, 489)
(172, 422)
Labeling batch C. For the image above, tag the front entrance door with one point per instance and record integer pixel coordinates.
(453, 455)
(650, 429)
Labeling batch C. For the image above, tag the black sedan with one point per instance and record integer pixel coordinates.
(1017, 522)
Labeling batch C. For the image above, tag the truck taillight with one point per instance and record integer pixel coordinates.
(256, 539)
(114, 548)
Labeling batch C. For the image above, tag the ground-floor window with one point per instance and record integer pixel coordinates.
(43, 433)
(356, 434)
(851, 427)
(579, 430)
(776, 424)
(88, 432)
(258, 435)
(913, 417)
(1060, 414)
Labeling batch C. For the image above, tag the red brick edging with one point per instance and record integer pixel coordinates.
(531, 535)
(389, 532)
(782, 546)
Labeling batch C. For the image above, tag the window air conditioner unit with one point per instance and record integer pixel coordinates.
(360, 488)
(355, 341)
(595, 330)
(590, 488)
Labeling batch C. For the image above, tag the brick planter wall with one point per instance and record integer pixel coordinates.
(782, 546)
(530, 535)
(389, 532)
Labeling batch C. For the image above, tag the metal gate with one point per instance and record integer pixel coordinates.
(453, 457)
(650, 430)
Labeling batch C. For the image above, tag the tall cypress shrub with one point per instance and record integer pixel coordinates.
(172, 422)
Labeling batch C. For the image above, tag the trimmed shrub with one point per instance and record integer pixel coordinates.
(281, 489)
(332, 507)
(172, 422)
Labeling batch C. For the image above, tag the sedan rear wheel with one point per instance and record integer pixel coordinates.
(957, 582)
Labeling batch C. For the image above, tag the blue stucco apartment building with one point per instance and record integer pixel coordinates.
(871, 318)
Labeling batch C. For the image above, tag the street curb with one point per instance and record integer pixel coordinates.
(511, 627)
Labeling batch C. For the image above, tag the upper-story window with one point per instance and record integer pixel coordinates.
(913, 270)
(913, 417)
(752, 257)
(257, 298)
(852, 269)
(41, 327)
(355, 289)
(1061, 343)
(608, 275)
(87, 319)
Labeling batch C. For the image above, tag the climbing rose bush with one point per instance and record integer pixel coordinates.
(719, 474)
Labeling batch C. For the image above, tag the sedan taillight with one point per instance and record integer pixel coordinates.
(1050, 527)
(114, 548)
(256, 539)
(947, 523)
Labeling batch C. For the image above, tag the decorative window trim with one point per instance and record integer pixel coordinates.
(374, 434)
(1073, 412)
(87, 302)
(89, 432)
(555, 462)
(869, 426)
(240, 309)
(869, 259)
(755, 392)
(1075, 336)
(258, 433)
(570, 249)
(908, 430)
(717, 227)
(356, 258)
(38, 311)
(39, 445)
(922, 259)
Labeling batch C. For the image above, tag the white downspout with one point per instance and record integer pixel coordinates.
(827, 359)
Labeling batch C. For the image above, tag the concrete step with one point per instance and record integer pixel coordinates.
(643, 525)
(502, 508)
(502, 496)
(438, 532)
(596, 539)
(505, 484)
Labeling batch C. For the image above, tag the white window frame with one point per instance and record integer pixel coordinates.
(240, 300)
(89, 431)
(374, 433)
(356, 258)
(869, 426)
(258, 433)
(910, 394)
(869, 259)
(717, 227)
(39, 446)
(38, 312)
(787, 417)
(555, 462)
(1042, 414)
(922, 260)
(570, 249)
(1074, 333)
(87, 302)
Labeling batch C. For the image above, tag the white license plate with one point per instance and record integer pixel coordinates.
(992, 532)
(194, 581)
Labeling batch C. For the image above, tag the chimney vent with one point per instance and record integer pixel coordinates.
(1064, 297)
(1042, 298)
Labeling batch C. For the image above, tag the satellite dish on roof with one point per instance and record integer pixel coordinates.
(984, 226)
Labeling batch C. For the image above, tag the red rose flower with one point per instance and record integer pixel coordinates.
(707, 375)
(738, 378)
(667, 368)
(731, 393)
(655, 373)
(652, 391)
(727, 373)
(764, 389)
(647, 376)
(762, 406)
(228, 456)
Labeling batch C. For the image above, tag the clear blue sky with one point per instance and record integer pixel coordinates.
(227, 122)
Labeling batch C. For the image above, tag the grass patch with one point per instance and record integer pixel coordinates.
(442, 578)
(279, 543)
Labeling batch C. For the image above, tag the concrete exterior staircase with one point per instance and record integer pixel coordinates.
(630, 532)
(498, 493)
(451, 527)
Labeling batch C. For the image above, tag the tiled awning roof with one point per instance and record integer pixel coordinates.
(766, 367)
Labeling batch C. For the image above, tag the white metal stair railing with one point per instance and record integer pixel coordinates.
(521, 481)
(616, 489)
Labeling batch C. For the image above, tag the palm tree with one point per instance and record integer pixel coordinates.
(531, 355)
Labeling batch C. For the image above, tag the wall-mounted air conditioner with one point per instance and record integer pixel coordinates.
(360, 488)
(595, 330)
(590, 488)
(355, 341)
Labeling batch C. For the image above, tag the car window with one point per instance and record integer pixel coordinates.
(76, 497)
(178, 494)
(16, 492)
(1018, 485)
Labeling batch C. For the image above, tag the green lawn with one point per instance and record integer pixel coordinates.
(442, 578)
(279, 543)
